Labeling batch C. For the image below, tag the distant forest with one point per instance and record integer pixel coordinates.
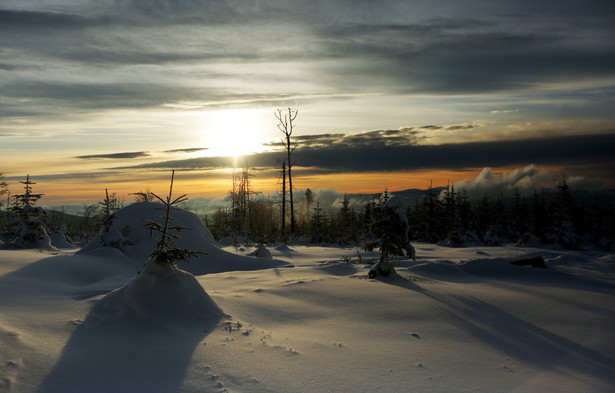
(553, 217)
(548, 217)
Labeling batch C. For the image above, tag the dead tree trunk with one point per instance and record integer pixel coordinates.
(286, 126)
(283, 200)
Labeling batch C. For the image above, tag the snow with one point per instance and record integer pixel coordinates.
(128, 234)
(304, 320)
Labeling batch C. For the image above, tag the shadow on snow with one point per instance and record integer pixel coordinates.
(118, 356)
(514, 336)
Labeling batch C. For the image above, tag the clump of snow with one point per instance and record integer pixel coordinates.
(160, 295)
(283, 247)
(261, 252)
(28, 231)
(59, 240)
(126, 232)
(396, 205)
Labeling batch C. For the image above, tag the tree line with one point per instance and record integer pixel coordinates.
(554, 217)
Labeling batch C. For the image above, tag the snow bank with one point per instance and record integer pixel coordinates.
(59, 240)
(127, 233)
(160, 295)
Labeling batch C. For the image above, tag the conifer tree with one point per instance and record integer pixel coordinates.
(391, 235)
(25, 202)
(165, 252)
(309, 200)
(108, 204)
(318, 225)
(3, 188)
(27, 231)
(562, 209)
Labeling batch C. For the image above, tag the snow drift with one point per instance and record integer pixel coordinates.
(126, 232)
(160, 295)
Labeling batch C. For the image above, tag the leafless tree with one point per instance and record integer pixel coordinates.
(285, 124)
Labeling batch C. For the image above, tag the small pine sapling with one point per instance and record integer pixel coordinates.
(390, 232)
(165, 253)
(109, 205)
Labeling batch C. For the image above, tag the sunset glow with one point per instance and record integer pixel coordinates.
(117, 94)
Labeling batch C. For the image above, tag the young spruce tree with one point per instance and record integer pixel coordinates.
(165, 252)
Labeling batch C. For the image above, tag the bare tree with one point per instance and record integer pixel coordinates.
(284, 200)
(240, 200)
(285, 124)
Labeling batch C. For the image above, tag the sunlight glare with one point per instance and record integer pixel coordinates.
(233, 133)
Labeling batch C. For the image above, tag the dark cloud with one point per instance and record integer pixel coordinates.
(370, 152)
(472, 55)
(460, 127)
(188, 164)
(115, 156)
(37, 21)
(349, 46)
(187, 150)
(379, 156)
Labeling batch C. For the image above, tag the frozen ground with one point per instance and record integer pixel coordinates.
(461, 320)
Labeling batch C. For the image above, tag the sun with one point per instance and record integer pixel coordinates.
(234, 133)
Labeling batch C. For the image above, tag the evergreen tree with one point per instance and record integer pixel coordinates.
(538, 226)
(3, 188)
(390, 232)
(562, 209)
(27, 230)
(319, 228)
(165, 252)
(346, 232)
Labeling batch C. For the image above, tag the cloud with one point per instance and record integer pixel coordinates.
(40, 21)
(397, 150)
(199, 163)
(471, 55)
(187, 150)
(115, 156)
(524, 180)
(188, 47)
(505, 111)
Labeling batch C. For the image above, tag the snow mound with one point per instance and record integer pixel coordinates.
(58, 240)
(470, 270)
(160, 296)
(283, 248)
(261, 252)
(127, 233)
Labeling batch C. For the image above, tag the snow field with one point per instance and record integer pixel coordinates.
(302, 319)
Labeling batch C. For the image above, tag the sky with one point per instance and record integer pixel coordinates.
(390, 94)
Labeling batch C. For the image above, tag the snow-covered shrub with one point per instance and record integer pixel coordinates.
(389, 231)
(261, 252)
(27, 230)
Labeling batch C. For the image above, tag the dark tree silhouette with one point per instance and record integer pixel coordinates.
(286, 126)
(165, 253)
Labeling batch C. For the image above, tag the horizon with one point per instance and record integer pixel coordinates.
(525, 182)
(398, 95)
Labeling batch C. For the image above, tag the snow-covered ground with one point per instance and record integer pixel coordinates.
(455, 320)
